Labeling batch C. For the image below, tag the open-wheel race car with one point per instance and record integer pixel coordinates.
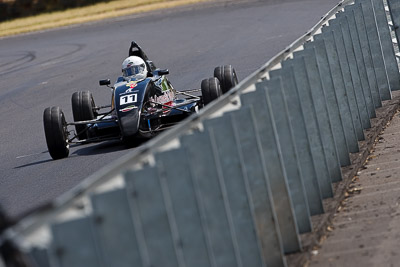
(143, 103)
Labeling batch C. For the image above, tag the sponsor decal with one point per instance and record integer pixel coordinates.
(164, 98)
(131, 84)
(128, 108)
(128, 91)
(169, 104)
(163, 84)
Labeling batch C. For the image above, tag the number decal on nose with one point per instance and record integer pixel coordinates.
(127, 99)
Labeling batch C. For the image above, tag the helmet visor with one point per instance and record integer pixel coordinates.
(133, 70)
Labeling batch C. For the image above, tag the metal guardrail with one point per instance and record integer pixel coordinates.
(253, 167)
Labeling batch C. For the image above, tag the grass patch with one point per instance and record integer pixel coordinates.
(79, 15)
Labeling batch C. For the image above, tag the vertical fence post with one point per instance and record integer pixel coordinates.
(230, 157)
(39, 257)
(340, 91)
(316, 160)
(241, 158)
(321, 112)
(376, 50)
(114, 228)
(303, 85)
(358, 91)
(278, 111)
(276, 172)
(387, 45)
(178, 182)
(331, 99)
(151, 220)
(213, 200)
(335, 28)
(360, 61)
(303, 148)
(358, 16)
(74, 244)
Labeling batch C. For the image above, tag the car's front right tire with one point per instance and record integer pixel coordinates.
(56, 132)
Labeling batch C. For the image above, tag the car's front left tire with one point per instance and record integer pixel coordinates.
(56, 132)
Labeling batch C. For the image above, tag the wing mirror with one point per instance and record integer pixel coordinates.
(163, 72)
(104, 82)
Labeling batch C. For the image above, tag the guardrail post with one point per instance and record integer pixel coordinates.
(278, 111)
(241, 159)
(340, 91)
(179, 186)
(210, 181)
(213, 201)
(74, 244)
(357, 13)
(372, 73)
(331, 100)
(376, 50)
(114, 228)
(157, 243)
(365, 86)
(277, 176)
(360, 98)
(39, 256)
(321, 112)
(335, 28)
(301, 140)
(303, 85)
(387, 45)
(233, 182)
(394, 8)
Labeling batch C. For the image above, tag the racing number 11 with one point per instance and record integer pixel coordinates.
(127, 99)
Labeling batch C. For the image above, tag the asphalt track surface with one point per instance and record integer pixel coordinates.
(44, 69)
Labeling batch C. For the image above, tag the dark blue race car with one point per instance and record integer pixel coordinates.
(143, 103)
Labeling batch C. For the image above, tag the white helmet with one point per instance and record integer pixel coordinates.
(134, 68)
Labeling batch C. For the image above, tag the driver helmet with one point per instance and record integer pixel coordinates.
(134, 68)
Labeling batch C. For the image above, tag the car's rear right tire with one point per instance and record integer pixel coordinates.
(210, 90)
(56, 132)
(82, 110)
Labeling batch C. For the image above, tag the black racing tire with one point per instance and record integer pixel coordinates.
(82, 110)
(227, 77)
(210, 90)
(56, 132)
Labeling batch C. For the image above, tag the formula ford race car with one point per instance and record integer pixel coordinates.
(143, 103)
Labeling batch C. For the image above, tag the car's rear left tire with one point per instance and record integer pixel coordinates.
(82, 110)
(210, 90)
(56, 132)
(227, 77)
